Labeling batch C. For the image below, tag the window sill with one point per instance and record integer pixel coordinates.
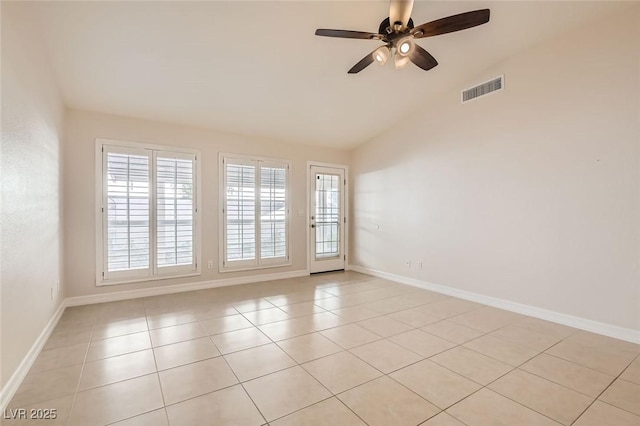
(148, 278)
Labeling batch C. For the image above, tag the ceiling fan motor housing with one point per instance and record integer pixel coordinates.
(385, 26)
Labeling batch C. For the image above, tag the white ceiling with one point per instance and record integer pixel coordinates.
(256, 68)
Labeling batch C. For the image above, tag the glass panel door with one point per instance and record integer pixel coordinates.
(327, 219)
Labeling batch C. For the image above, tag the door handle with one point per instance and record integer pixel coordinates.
(313, 225)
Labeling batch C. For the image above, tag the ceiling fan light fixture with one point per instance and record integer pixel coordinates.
(401, 61)
(405, 46)
(381, 55)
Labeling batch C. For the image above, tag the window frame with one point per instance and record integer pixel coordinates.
(153, 273)
(258, 263)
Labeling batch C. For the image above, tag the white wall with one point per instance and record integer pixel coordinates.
(81, 130)
(530, 195)
(30, 220)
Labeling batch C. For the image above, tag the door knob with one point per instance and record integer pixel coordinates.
(313, 225)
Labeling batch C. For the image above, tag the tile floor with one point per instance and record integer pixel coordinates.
(334, 349)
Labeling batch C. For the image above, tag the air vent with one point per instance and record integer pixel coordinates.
(494, 85)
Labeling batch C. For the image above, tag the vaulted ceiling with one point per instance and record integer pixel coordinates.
(256, 68)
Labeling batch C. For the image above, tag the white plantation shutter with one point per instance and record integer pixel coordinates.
(149, 213)
(175, 211)
(240, 212)
(126, 204)
(273, 211)
(255, 213)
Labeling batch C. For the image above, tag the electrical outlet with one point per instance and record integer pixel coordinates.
(419, 264)
(210, 264)
(408, 263)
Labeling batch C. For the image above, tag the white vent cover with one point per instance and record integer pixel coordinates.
(493, 85)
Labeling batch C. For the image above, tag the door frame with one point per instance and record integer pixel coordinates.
(346, 210)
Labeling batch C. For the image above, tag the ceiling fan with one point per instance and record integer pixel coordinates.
(398, 33)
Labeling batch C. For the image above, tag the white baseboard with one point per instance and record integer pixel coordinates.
(179, 288)
(605, 329)
(11, 387)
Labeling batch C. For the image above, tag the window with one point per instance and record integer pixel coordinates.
(255, 219)
(148, 211)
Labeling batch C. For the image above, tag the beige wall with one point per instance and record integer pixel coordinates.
(82, 128)
(30, 220)
(530, 195)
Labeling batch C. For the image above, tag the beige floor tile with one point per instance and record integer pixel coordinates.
(486, 319)
(176, 333)
(58, 413)
(442, 419)
(557, 402)
(436, 384)
(310, 295)
(68, 338)
(598, 340)
(118, 401)
(355, 313)
(390, 305)
(574, 376)
(259, 361)
(350, 335)
(601, 414)
(64, 356)
(170, 319)
(195, 379)
(632, 373)
(384, 326)
(213, 311)
(99, 349)
(422, 343)
(386, 356)
(225, 324)
(341, 371)
(309, 347)
(182, 353)
(330, 412)
(284, 392)
(324, 320)
(487, 408)
(386, 402)
(266, 316)
(46, 385)
(331, 303)
(451, 331)
(287, 329)
(607, 360)
(252, 305)
(472, 365)
(623, 394)
(240, 339)
(451, 307)
(300, 309)
(502, 350)
(117, 368)
(545, 327)
(119, 328)
(526, 337)
(226, 407)
(415, 317)
(152, 418)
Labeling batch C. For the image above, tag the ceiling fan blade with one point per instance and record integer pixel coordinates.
(400, 11)
(364, 62)
(347, 34)
(422, 58)
(453, 23)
